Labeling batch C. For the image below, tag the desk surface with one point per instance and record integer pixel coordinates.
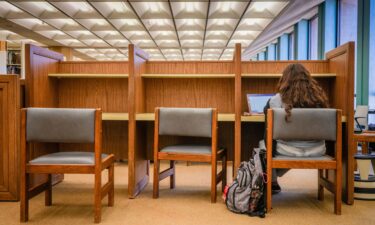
(115, 116)
(222, 117)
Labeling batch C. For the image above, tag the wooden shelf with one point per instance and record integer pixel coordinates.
(115, 116)
(87, 75)
(276, 75)
(188, 75)
(222, 117)
(261, 118)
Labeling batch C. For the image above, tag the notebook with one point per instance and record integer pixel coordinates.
(256, 102)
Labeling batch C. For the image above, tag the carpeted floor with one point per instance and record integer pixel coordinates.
(188, 204)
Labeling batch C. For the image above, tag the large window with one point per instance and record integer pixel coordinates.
(372, 61)
(313, 38)
(348, 21)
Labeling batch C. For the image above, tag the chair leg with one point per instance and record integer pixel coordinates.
(173, 176)
(269, 189)
(320, 186)
(338, 190)
(97, 197)
(224, 174)
(111, 193)
(156, 179)
(24, 195)
(213, 180)
(48, 192)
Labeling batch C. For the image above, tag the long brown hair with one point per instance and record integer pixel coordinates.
(299, 90)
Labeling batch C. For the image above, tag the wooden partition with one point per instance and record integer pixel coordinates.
(138, 162)
(341, 63)
(9, 137)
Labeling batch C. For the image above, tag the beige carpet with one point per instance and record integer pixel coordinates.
(188, 204)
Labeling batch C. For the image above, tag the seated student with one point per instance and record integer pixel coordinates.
(296, 89)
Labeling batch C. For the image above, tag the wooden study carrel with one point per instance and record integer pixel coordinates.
(129, 91)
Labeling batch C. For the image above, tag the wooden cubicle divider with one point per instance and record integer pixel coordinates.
(137, 160)
(129, 92)
(341, 63)
(9, 137)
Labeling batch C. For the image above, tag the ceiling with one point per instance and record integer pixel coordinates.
(167, 30)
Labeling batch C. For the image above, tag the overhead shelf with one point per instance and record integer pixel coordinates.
(115, 116)
(188, 75)
(277, 75)
(87, 75)
(223, 117)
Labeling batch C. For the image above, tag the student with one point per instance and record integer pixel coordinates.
(296, 89)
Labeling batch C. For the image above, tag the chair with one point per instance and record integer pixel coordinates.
(192, 122)
(307, 124)
(49, 125)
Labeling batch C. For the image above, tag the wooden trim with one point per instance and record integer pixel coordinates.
(188, 76)
(184, 157)
(277, 75)
(237, 107)
(306, 164)
(86, 75)
(92, 62)
(48, 169)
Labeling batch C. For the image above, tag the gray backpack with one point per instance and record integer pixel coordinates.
(247, 192)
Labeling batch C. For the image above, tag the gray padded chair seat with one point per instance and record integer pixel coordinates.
(187, 149)
(66, 158)
(282, 157)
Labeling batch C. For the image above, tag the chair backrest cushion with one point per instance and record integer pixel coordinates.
(60, 125)
(305, 124)
(194, 122)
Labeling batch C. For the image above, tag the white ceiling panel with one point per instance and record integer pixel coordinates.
(227, 9)
(77, 9)
(159, 24)
(268, 9)
(9, 11)
(115, 10)
(127, 24)
(152, 9)
(189, 10)
(190, 24)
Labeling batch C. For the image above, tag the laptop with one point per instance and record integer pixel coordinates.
(256, 102)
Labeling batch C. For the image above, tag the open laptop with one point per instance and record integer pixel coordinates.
(256, 102)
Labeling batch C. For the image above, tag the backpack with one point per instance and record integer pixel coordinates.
(246, 195)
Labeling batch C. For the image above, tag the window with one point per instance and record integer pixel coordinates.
(313, 38)
(371, 82)
(291, 46)
(348, 21)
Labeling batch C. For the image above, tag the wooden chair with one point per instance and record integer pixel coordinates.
(307, 124)
(49, 125)
(193, 122)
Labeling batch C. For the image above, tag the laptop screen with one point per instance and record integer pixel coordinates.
(256, 102)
